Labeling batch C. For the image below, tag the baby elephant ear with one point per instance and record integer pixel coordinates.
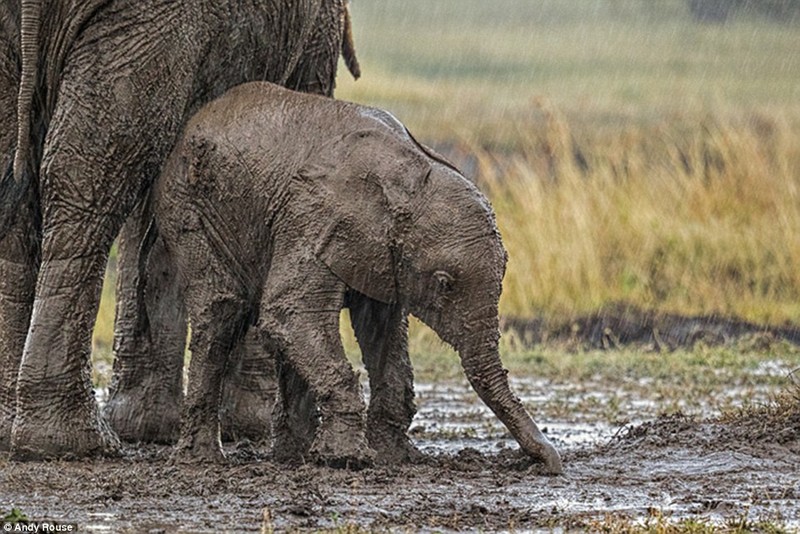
(396, 165)
(367, 180)
(360, 260)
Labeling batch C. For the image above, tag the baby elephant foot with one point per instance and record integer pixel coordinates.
(288, 447)
(342, 444)
(343, 455)
(201, 447)
(246, 415)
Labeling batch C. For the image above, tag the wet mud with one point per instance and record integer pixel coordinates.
(471, 477)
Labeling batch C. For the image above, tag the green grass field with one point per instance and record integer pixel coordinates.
(686, 193)
(452, 68)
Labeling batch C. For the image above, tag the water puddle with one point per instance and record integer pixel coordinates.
(450, 417)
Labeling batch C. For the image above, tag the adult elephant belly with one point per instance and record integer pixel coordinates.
(117, 101)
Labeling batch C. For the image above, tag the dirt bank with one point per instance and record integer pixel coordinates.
(621, 325)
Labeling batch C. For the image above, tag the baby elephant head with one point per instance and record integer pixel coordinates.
(410, 229)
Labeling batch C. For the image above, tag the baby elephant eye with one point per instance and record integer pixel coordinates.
(444, 281)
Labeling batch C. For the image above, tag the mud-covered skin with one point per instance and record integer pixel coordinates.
(294, 202)
(249, 389)
(111, 84)
(150, 331)
(382, 333)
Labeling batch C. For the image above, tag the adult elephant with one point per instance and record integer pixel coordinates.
(105, 87)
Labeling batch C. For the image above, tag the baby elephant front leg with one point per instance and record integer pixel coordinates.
(304, 330)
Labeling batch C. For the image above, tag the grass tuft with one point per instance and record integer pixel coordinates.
(659, 523)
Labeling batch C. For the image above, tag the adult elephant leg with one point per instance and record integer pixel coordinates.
(96, 161)
(382, 333)
(295, 416)
(248, 392)
(57, 414)
(149, 338)
(19, 252)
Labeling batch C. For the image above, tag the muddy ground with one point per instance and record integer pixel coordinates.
(625, 460)
(471, 479)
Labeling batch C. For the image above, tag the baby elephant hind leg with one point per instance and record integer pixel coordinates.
(248, 392)
(295, 417)
(218, 324)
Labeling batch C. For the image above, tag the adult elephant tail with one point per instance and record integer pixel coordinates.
(48, 30)
(31, 21)
(348, 45)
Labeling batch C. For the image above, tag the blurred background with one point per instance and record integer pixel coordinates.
(635, 151)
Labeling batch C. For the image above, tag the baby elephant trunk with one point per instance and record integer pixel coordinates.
(485, 372)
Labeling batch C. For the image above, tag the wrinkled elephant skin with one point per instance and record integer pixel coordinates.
(299, 205)
(105, 87)
(18, 232)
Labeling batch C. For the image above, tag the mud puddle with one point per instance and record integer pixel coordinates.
(574, 415)
(623, 459)
(450, 418)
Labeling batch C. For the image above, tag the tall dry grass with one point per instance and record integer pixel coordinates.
(683, 193)
(696, 216)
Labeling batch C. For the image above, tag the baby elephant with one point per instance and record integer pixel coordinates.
(281, 208)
